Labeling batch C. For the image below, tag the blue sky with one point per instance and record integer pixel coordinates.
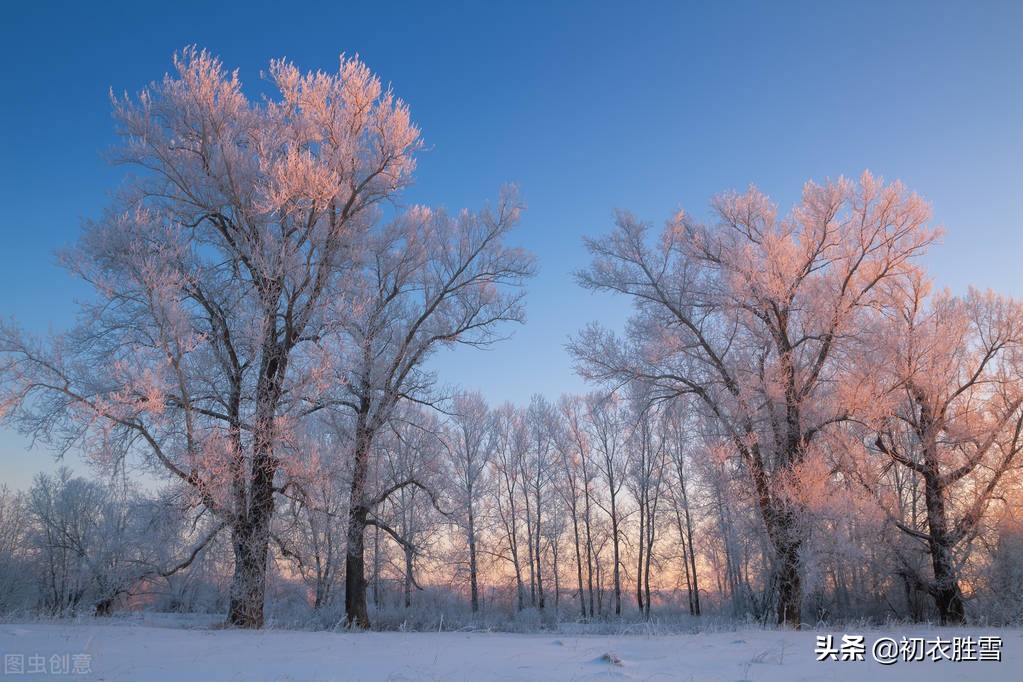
(587, 106)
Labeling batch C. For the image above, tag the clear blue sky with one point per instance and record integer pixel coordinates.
(588, 106)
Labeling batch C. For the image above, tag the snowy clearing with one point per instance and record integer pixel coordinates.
(130, 651)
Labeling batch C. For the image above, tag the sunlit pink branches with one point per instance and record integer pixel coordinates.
(217, 269)
(945, 427)
(751, 315)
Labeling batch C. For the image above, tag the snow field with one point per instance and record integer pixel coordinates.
(129, 651)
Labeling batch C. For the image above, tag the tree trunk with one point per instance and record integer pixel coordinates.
(649, 553)
(356, 612)
(557, 579)
(539, 571)
(948, 596)
(376, 566)
(782, 521)
(529, 548)
(520, 587)
(615, 543)
(578, 558)
(104, 607)
(790, 592)
(687, 549)
(473, 578)
(248, 584)
(642, 547)
(408, 575)
(695, 596)
(589, 552)
(251, 541)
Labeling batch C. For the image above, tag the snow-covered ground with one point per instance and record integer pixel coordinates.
(125, 650)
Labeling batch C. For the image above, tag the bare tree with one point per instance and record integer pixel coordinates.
(951, 416)
(211, 271)
(749, 316)
(428, 281)
(678, 446)
(412, 448)
(511, 448)
(16, 586)
(470, 446)
(578, 473)
(644, 479)
(308, 526)
(609, 427)
(95, 542)
(537, 470)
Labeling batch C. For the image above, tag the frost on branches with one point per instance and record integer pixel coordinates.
(946, 426)
(233, 271)
(751, 317)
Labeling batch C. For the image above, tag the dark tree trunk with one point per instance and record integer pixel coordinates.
(642, 547)
(473, 578)
(557, 579)
(529, 548)
(248, 585)
(781, 518)
(695, 587)
(948, 596)
(356, 612)
(688, 552)
(539, 571)
(649, 554)
(104, 607)
(251, 526)
(578, 559)
(617, 555)
(376, 566)
(790, 592)
(251, 541)
(589, 553)
(409, 555)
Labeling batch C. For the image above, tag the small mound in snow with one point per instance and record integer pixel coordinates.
(610, 657)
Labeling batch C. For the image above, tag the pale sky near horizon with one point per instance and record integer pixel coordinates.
(589, 107)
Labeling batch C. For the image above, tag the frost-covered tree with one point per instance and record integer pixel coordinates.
(309, 527)
(644, 480)
(749, 315)
(94, 543)
(16, 585)
(428, 280)
(215, 270)
(610, 430)
(678, 444)
(576, 485)
(411, 449)
(537, 469)
(470, 446)
(512, 447)
(950, 417)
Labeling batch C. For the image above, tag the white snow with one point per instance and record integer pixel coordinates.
(123, 650)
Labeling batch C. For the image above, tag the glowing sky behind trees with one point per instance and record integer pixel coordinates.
(587, 106)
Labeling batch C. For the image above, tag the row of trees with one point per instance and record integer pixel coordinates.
(613, 498)
(265, 307)
(596, 507)
(812, 349)
(254, 275)
(72, 545)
